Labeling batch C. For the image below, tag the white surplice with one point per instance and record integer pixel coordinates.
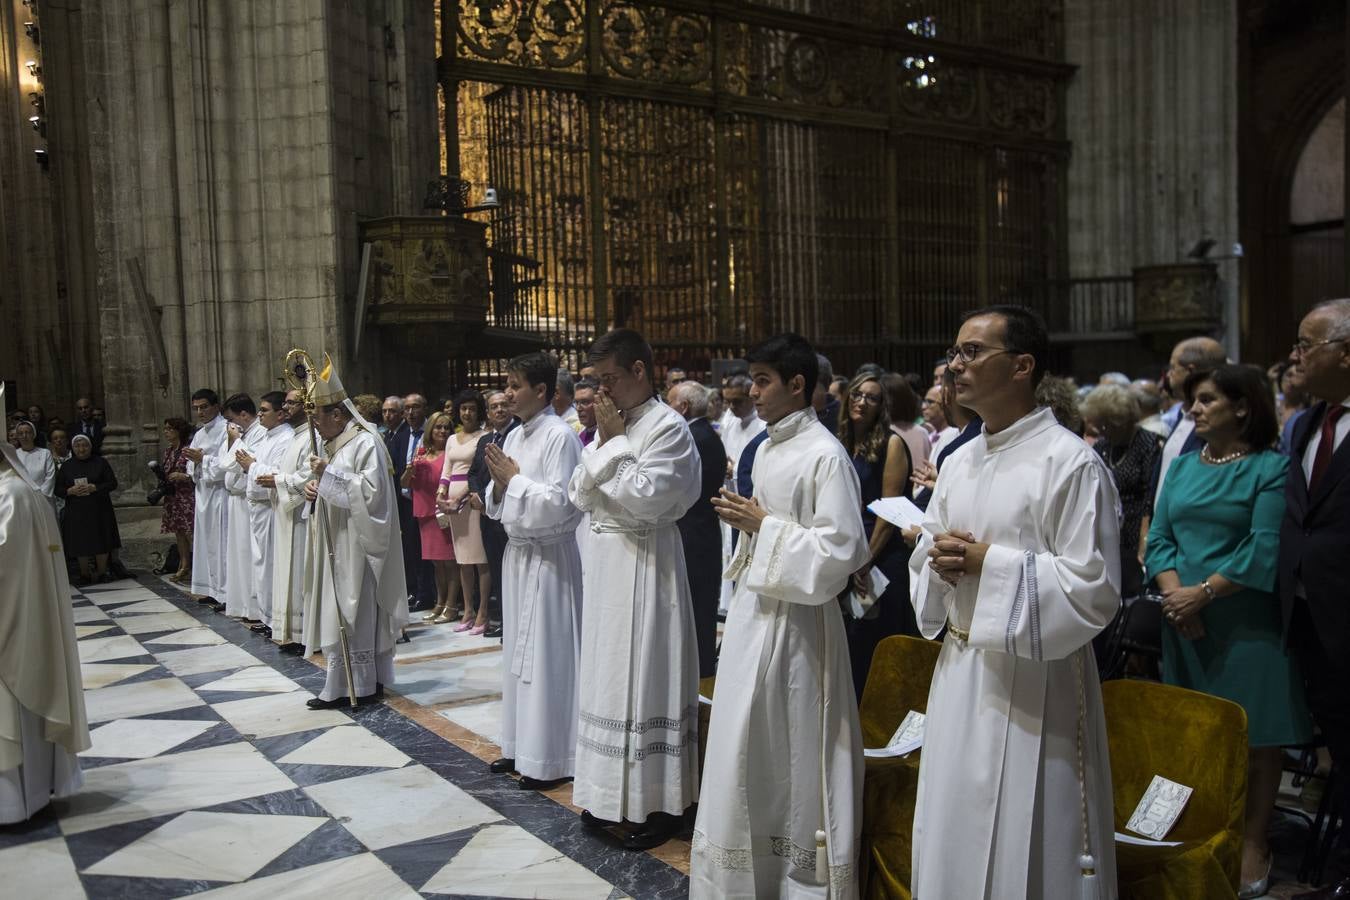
(357, 564)
(209, 512)
(784, 752)
(42, 715)
(241, 587)
(637, 729)
(541, 598)
(269, 450)
(999, 802)
(290, 538)
(735, 433)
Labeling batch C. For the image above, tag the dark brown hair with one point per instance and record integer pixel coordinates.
(1245, 383)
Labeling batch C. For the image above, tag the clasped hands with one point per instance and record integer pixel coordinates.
(1181, 607)
(502, 467)
(608, 419)
(955, 554)
(244, 458)
(742, 513)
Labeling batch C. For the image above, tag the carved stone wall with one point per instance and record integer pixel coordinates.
(209, 163)
(1152, 116)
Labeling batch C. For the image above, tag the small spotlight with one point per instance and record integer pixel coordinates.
(33, 68)
(41, 157)
(490, 198)
(33, 32)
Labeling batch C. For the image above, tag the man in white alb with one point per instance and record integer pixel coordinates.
(290, 539)
(740, 424)
(1019, 561)
(242, 434)
(264, 459)
(541, 572)
(637, 734)
(784, 757)
(356, 577)
(208, 516)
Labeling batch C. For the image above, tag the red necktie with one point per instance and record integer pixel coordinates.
(1326, 446)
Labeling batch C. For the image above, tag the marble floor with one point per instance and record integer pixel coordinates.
(208, 776)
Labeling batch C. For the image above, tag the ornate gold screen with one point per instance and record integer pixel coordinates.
(713, 172)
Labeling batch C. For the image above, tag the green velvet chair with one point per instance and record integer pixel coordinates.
(902, 669)
(1193, 739)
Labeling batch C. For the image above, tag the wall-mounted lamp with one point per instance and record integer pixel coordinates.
(33, 68)
(34, 33)
(41, 157)
(36, 101)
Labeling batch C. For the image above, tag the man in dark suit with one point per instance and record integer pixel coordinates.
(403, 443)
(500, 422)
(87, 425)
(699, 531)
(1313, 577)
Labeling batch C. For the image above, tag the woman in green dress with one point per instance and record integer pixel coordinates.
(1213, 547)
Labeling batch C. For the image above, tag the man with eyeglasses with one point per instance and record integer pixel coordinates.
(1018, 562)
(208, 516)
(741, 424)
(1313, 579)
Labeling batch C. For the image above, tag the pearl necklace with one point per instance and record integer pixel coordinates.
(1221, 460)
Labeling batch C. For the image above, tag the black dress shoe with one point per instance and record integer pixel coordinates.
(527, 783)
(339, 702)
(260, 628)
(293, 648)
(595, 822)
(206, 599)
(502, 766)
(217, 606)
(659, 828)
(493, 631)
(1338, 891)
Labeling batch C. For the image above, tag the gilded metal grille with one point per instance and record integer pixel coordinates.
(712, 173)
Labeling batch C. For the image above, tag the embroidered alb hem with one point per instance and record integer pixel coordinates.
(633, 727)
(736, 859)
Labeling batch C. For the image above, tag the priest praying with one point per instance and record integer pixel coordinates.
(784, 758)
(541, 575)
(637, 730)
(356, 580)
(264, 460)
(1019, 562)
(290, 538)
(242, 436)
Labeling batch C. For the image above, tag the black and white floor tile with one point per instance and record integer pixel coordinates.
(208, 776)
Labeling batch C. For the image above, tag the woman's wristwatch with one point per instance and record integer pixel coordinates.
(1209, 591)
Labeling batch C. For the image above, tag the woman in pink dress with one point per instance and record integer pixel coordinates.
(423, 478)
(465, 510)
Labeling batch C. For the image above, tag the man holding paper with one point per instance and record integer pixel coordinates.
(781, 805)
(1019, 561)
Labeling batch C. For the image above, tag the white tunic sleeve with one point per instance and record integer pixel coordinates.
(543, 502)
(664, 481)
(1048, 604)
(47, 483)
(810, 562)
(929, 594)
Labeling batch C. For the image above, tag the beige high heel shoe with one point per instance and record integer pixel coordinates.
(435, 613)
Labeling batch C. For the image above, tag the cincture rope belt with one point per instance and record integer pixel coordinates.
(616, 528)
(522, 656)
(959, 633)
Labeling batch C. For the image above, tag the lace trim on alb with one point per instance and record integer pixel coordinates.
(741, 860)
(628, 725)
(629, 751)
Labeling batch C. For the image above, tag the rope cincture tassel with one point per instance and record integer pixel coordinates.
(822, 859)
(1088, 865)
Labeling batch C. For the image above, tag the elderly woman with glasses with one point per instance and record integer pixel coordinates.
(883, 462)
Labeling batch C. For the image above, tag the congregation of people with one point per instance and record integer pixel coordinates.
(628, 532)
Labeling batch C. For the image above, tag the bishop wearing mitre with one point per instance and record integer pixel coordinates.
(356, 581)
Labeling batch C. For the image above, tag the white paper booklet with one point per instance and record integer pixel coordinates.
(907, 738)
(1157, 812)
(899, 511)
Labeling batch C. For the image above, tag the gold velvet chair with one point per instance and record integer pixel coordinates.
(897, 682)
(1193, 739)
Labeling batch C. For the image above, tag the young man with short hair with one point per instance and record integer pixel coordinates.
(264, 459)
(541, 571)
(209, 511)
(784, 713)
(637, 738)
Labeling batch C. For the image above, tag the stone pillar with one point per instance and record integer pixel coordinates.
(1152, 114)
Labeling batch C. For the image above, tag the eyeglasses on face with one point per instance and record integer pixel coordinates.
(971, 350)
(872, 399)
(1301, 346)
